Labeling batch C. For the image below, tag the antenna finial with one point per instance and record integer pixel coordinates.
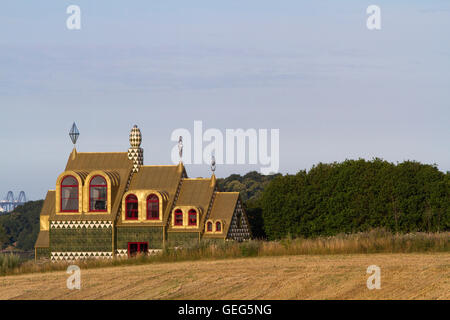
(180, 148)
(213, 164)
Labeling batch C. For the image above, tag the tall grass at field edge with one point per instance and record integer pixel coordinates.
(375, 241)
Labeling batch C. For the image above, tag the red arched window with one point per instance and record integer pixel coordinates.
(209, 226)
(131, 205)
(69, 194)
(192, 217)
(153, 207)
(178, 217)
(218, 226)
(98, 194)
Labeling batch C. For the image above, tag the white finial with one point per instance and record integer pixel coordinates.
(180, 147)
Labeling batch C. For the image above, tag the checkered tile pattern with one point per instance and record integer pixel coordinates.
(70, 256)
(123, 253)
(137, 155)
(80, 224)
(135, 137)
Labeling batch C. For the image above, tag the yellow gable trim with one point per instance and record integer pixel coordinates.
(44, 224)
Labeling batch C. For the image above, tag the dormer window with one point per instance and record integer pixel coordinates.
(209, 226)
(178, 217)
(153, 207)
(69, 194)
(218, 227)
(98, 194)
(131, 207)
(192, 217)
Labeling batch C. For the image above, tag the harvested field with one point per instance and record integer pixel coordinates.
(403, 276)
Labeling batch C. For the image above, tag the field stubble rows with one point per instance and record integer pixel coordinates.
(403, 276)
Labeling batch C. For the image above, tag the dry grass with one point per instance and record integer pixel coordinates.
(403, 276)
(376, 241)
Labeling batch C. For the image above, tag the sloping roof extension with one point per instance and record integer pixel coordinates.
(43, 240)
(48, 209)
(223, 209)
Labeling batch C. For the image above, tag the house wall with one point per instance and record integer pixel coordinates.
(42, 253)
(152, 235)
(239, 229)
(81, 240)
(176, 239)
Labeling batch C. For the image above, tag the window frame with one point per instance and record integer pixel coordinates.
(139, 244)
(149, 217)
(192, 211)
(97, 186)
(62, 186)
(126, 206)
(178, 212)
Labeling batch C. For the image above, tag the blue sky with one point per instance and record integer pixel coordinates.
(311, 69)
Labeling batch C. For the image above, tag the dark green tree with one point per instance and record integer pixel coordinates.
(357, 195)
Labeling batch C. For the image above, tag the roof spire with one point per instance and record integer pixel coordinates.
(74, 154)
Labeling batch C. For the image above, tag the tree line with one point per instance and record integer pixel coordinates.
(354, 196)
(21, 227)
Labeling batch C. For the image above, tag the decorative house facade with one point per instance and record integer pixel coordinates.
(110, 204)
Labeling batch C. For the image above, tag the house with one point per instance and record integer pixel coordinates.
(111, 204)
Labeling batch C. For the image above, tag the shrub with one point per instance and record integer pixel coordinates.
(8, 262)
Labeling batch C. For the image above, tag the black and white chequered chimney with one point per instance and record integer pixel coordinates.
(136, 153)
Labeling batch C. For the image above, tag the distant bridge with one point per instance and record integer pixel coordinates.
(10, 203)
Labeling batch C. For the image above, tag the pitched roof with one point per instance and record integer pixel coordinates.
(164, 178)
(48, 208)
(223, 208)
(196, 192)
(90, 161)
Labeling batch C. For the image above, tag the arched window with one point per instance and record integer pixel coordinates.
(131, 205)
(178, 217)
(218, 227)
(153, 207)
(192, 217)
(209, 226)
(69, 194)
(98, 194)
